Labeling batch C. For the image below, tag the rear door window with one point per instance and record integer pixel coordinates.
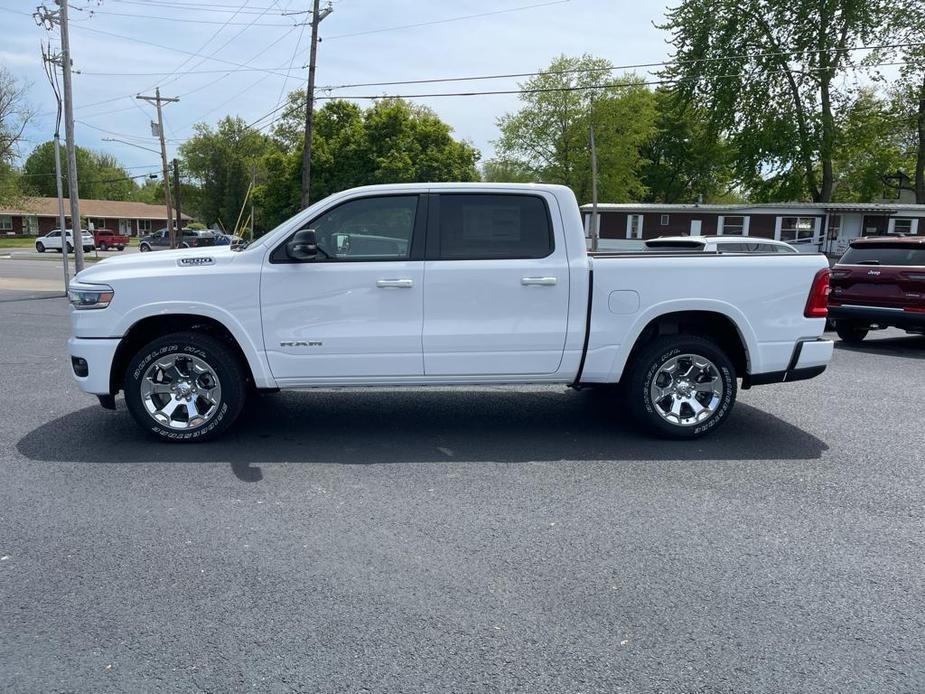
(884, 255)
(480, 226)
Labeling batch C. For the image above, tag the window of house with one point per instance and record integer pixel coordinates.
(904, 225)
(797, 229)
(665, 220)
(30, 225)
(6, 222)
(144, 225)
(479, 226)
(634, 226)
(733, 226)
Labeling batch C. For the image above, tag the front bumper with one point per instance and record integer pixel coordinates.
(97, 355)
(878, 315)
(809, 359)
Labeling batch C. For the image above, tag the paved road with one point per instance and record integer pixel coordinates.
(507, 540)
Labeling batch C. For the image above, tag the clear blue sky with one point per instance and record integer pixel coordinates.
(517, 41)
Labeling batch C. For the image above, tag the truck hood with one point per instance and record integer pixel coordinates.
(183, 261)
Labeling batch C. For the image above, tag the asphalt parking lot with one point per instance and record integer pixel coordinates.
(503, 540)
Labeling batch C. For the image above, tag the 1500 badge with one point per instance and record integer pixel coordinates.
(196, 261)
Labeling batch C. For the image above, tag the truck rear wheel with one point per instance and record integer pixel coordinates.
(185, 387)
(680, 386)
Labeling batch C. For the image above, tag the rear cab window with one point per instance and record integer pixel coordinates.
(486, 226)
(892, 254)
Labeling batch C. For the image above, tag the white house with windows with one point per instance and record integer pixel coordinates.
(810, 227)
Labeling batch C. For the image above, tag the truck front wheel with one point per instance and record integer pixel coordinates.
(680, 386)
(185, 387)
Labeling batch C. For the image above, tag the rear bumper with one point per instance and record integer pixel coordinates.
(809, 359)
(878, 315)
(97, 355)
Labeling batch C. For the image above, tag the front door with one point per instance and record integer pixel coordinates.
(357, 310)
(496, 286)
(695, 227)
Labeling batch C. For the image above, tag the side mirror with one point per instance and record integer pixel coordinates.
(303, 246)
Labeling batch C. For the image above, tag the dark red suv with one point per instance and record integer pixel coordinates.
(879, 283)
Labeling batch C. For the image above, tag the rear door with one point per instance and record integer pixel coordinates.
(888, 275)
(496, 285)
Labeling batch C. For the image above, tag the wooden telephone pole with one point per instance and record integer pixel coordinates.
(317, 16)
(157, 100)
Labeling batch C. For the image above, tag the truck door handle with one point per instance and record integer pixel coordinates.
(539, 281)
(398, 284)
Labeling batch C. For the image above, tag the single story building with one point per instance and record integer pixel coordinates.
(810, 227)
(37, 216)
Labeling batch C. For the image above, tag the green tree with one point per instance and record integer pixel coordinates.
(221, 162)
(392, 141)
(15, 115)
(500, 170)
(685, 157)
(874, 139)
(99, 175)
(549, 136)
(906, 25)
(769, 73)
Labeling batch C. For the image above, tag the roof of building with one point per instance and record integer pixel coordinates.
(123, 209)
(873, 207)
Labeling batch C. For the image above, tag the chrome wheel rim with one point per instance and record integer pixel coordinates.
(181, 391)
(686, 390)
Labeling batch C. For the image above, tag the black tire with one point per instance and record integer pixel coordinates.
(219, 357)
(184, 245)
(120, 248)
(39, 246)
(645, 367)
(144, 248)
(852, 333)
(104, 246)
(70, 248)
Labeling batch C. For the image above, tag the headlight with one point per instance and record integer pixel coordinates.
(88, 296)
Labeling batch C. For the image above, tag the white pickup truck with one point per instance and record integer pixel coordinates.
(437, 284)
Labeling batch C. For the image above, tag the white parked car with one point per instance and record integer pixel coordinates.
(441, 284)
(719, 244)
(52, 241)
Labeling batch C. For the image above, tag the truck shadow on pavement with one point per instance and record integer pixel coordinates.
(400, 426)
(909, 346)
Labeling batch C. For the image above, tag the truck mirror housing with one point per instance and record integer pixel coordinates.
(303, 246)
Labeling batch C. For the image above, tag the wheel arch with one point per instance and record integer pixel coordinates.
(150, 327)
(730, 332)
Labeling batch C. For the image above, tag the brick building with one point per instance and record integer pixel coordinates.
(810, 227)
(38, 216)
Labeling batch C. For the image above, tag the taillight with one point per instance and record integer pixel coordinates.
(817, 302)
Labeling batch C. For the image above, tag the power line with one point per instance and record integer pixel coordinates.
(539, 90)
(206, 7)
(184, 20)
(633, 66)
(446, 21)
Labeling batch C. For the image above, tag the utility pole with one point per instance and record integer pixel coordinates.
(48, 19)
(51, 63)
(157, 99)
(594, 216)
(253, 186)
(317, 16)
(176, 189)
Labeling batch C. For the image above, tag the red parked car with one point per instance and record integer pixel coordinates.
(106, 239)
(879, 283)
